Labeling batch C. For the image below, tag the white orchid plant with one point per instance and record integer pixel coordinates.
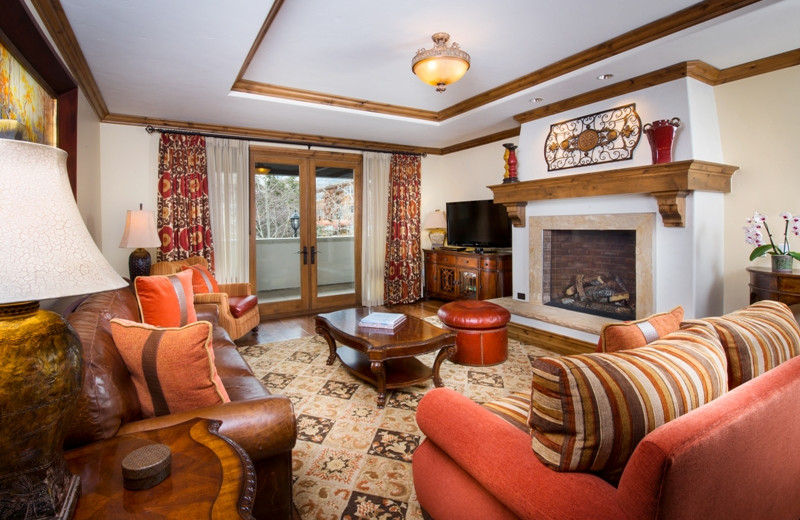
(755, 237)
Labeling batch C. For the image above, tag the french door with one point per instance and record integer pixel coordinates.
(305, 230)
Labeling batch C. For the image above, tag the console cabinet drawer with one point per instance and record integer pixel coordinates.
(464, 261)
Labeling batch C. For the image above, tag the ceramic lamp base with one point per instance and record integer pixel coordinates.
(40, 378)
(437, 237)
(139, 263)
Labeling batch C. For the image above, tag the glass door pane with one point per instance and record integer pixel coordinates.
(334, 227)
(278, 234)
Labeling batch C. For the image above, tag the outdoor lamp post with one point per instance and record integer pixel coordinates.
(294, 221)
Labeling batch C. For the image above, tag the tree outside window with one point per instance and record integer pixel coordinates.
(277, 197)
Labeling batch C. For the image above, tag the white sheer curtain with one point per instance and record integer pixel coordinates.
(375, 211)
(229, 200)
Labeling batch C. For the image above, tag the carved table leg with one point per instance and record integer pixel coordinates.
(322, 331)
(445, 352)
(379, 370)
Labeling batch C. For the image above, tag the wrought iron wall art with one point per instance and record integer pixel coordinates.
(603, 137)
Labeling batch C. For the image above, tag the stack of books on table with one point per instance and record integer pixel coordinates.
(382, 320)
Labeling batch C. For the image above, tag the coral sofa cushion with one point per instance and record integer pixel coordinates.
(588, 412)
(757, 338)
(633, 334)
(172, 368)
(166, 301)
(202, 279)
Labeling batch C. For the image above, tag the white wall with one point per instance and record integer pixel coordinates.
(129, 177)
(460, 176)
(89, 175)
(685, 271)
(758, 120)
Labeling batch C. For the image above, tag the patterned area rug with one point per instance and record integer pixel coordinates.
(353, 460)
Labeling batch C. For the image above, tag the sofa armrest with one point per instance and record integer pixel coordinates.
(263, 427)
(207, 312)
(236, 289)
(499, 457)
(212, 298)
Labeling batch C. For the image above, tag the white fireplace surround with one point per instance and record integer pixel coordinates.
(674, 265)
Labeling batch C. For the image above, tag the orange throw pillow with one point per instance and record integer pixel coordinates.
(633, 334)
(202, 279)
(172, 368)
(166, 301)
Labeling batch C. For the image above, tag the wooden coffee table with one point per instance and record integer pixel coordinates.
(385, 358)
(211, 477)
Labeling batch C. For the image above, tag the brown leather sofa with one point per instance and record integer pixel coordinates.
(262, 424)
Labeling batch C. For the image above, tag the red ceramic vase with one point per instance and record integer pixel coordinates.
(661, 135)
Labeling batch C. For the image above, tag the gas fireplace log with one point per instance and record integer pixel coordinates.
(597, 289)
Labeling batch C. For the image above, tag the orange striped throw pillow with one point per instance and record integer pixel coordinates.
(166, 301)
(633, 334)
(513, 408)
(202, 279)
(172, 368)
(757, 338)
(589, 411)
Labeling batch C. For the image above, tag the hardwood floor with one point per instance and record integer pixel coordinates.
(301, 326)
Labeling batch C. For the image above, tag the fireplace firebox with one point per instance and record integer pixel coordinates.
(590, 271)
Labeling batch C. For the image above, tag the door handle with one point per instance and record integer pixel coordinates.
(313, 255)
(304, 252)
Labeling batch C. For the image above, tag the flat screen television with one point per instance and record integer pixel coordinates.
(478, 223)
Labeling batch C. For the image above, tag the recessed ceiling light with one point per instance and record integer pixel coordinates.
(605, 76)
(535, 100)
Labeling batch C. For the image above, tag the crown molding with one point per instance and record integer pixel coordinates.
(308, 96)
(670, 24)
(762, 66)
(57, 25)
(55, 21)
(257, 134)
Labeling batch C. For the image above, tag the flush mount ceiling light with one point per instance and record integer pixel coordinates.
(441, 65)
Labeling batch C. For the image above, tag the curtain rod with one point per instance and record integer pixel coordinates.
(150, 129)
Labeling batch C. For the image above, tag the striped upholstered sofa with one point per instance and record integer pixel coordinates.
(701, 423)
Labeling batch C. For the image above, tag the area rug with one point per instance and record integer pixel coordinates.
(352, 460)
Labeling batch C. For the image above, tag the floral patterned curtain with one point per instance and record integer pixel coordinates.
(184, 221)
(403, 271)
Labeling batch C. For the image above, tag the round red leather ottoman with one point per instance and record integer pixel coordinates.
(481, 334)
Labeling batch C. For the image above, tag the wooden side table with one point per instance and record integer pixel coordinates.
(211, 477)
(768, 285)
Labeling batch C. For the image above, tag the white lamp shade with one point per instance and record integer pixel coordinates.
(140, 230)
(47, 251)
(435, 220)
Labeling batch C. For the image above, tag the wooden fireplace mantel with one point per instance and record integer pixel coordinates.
(669, 183)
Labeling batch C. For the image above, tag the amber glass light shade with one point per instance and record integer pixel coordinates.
(441, 65)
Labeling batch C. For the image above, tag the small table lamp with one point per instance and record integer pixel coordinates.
(140, 232)
(47, 253)
(437, 226)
